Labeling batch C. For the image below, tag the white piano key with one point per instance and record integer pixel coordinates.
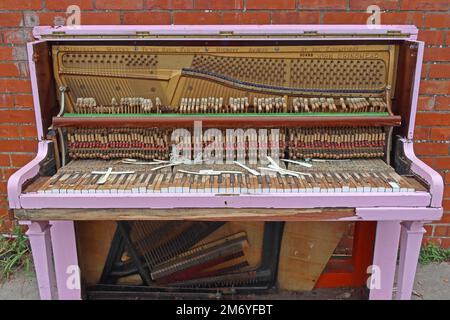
(395, 186)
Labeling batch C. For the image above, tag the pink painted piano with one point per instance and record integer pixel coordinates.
(323, 126)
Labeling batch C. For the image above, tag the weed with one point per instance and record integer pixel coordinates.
(14, 253)
(433, 253)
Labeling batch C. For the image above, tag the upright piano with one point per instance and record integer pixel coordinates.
(217, 161)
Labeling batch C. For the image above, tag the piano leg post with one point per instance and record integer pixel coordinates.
(384, 260)
(66, 260)
(39, 235)
(410, 242)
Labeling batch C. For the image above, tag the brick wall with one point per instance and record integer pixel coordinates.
(17, 127)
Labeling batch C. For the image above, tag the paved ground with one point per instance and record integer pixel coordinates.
(432, 283)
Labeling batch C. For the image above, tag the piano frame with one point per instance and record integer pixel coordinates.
(50, 218)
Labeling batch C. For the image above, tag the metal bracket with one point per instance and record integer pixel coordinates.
(62, 89)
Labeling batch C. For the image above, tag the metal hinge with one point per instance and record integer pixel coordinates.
(394, 32)
(142, 33)
(312, 32)
(58, 33)
(226, 33)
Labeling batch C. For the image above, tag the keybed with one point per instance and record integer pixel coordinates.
(372, 176)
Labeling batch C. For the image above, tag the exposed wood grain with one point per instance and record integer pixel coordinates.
(206, 214)
(305, 251)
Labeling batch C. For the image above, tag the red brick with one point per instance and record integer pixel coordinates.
(6, 53)
(433, 240)
(86, 18)
(94, 18)
(294, 17)
(17, 116)
(250, 17)
(345, 17)
(4, 206)
(197, 17)
(428, 160)
(424, 72)
(415, 18)
(437, 20)
(431, 37)
(6, 100)
(446, 216)
(10, 19)
(18, 146)
(440, 133)
(6, 225)
(442, 103)
(432, 5)
(445, 243)
(383, 4)
(426, 103)
(20, 5)
(154, 17)
(430, 148)
(434, 87)
(15, 85)
(24, 100)
(19, 160)
(168, 4)
(447, 38)
(8, 70)
(27, 131)
(437, 54)
(428, 230)
(219, 4)
(7, 172)
(4, 160)
(432, 119)
(441, 231)
(441, 70)
(120, 4)
(422, 133)
(63, 4)
(17, 36)
(270, 4)
(322, 4)
(9, 131)
(442, 163)
(447, 181)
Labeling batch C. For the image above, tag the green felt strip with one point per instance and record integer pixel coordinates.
(169, 115)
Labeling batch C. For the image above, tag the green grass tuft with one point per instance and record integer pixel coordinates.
(432, 253)
(15, 254)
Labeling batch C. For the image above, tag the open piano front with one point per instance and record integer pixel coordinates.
(186, 161)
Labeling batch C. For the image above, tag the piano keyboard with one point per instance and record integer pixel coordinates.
(321, 177)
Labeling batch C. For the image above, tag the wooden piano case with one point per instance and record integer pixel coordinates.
(275, 234)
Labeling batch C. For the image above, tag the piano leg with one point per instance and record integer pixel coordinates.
(66, 260)
(410, 242)
(384, 260)
(39, 235)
